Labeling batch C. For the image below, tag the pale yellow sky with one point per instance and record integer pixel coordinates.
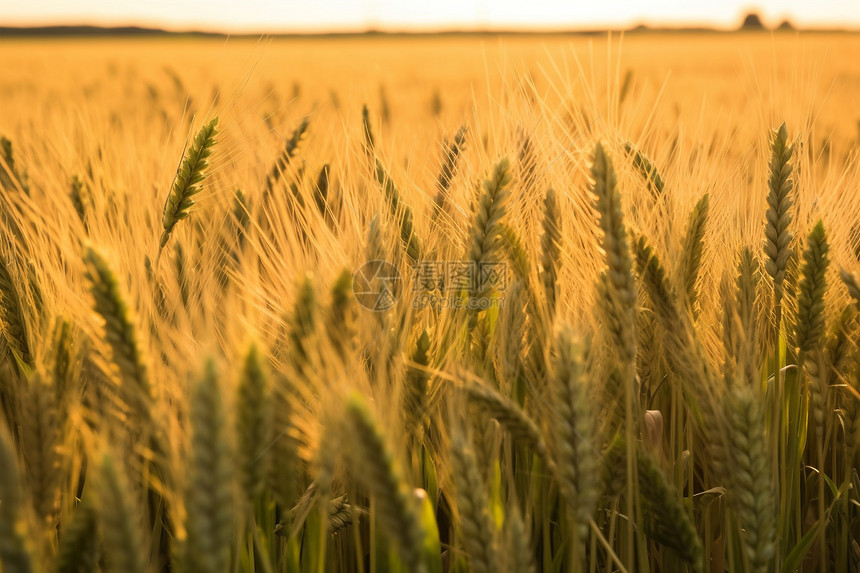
(316, 15)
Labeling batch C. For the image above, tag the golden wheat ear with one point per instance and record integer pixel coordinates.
(188, 180)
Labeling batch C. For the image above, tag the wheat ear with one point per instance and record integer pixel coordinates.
(14, 556)
(188, 180)
(253, 421)
(401, 212)
(369, 141)
(751, 490)
(576, 456)
(670, 521)
(491, 209)
(119, 329)
(78, 548)
(778, 236)
(853, 284)
(810, 324)
(209, 497)
(694, 242)
(618, 286)
(551, 250)
(511, 417)
(118, 521)
(373, 462)
(40, 436)
(448, 169)
(646, 169)
(12, 319)
(291, 146)
(474, 519)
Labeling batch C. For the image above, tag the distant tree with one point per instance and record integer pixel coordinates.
(786, 26)
(752, 21)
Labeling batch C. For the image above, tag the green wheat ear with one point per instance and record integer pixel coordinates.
(120, 330)
(694, 242)
(810, 301)
(617, 283)
(117, 511)
(188, 180)
(78, 550)
(14, 555)
(780, 199)
(13, 323)
(253, 423)
(852, 282)
(374, 463)
(646, 169)
(209, 498)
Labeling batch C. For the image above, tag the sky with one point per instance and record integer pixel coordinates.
(342, 15)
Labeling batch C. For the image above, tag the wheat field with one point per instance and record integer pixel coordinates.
(517, 304)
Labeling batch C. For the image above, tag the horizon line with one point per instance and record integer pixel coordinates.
(143, 30)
